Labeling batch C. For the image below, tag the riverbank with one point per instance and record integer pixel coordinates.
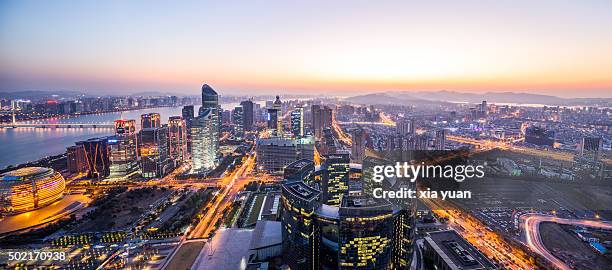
(56, 162)
(29, 144)
(7, 118)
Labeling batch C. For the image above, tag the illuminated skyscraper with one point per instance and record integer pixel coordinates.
(359, 232)
(300, 239)
(336, 178)
(297, 122)
(211, 108)
(358, 147)
(210, 98)
(150, 120)
(188, 115)
(97, 157)
(238, 121)
(204, 139)
(275, 118)
(249, 114)
(177, 140)
(153, 149)
(123, 150)
(272, 121)
(322, 118)
(76, 159)
(484, 108)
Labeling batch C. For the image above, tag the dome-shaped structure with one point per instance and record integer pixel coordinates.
(29, 188)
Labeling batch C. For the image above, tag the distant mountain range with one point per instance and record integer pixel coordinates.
(491, 97)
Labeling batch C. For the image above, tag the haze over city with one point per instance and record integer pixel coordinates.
(315, 135)
(340, 48)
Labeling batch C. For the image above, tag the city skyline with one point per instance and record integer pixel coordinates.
(336, 48)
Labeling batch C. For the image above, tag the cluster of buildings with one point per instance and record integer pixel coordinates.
(329, 223)
(151, 152)
(25, 109)
(284, 145)
(155, 149)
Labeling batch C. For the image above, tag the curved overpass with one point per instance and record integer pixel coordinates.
(531, 224)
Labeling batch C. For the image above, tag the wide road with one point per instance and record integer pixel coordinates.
(223, 199)
(489, 243)
(531, 227)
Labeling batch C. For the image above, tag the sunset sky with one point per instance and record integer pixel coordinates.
(562, 48)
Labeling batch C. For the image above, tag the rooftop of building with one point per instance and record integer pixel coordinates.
(364, 205)
(23, 173)
(266, 234)
(299, 164)
(271, 204)
(302, 190)
(278, 141)
(457, 252)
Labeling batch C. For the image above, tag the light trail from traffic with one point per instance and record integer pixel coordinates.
(531, 226)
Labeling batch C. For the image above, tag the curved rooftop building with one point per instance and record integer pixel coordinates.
(210, 98)
(29, 188)
(348, 231)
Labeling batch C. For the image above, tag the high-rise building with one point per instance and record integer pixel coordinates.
(297, 122)
(97, 155)
(359, 232)
(153, 147)
(329, 144)
(76, 159)
(440, 140)
(150, 120)
(210, 98)
(177, 139)
(211, 108)
(590, 147)
(300, 234)
(272, 121)
(249, 114)
(358, 147)
(123, 150)
(484, 109)
(274, 154)
(335, 180)
(238, 121)
(406, 126)
(204, 139)
(275, 118)
(322, 118)
(299, 170)
(188, 113)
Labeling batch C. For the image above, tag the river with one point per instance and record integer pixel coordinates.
(21, 145)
